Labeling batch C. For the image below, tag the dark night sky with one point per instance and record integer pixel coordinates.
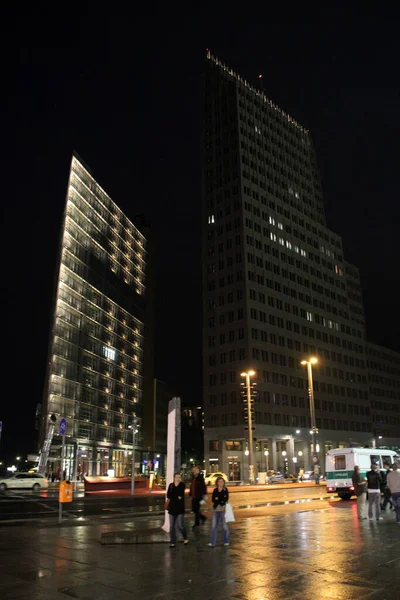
(127, 96)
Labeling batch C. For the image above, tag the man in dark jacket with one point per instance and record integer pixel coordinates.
(197, 492)
(384, 488)
(360, 489)
(374, 492)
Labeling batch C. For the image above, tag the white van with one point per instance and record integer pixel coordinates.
(340, 463)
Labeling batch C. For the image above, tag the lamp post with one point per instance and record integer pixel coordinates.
(134, 428)
(248, 375)
(266, 454)
(314, 431)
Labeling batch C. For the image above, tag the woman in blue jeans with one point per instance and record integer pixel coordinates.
(176, 509)
(220, 497)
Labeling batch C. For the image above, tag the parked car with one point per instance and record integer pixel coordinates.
(211, 478)
(276, 477)
(309, 476)
(32, 481)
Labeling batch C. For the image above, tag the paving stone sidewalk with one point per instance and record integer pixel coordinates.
(312, 555)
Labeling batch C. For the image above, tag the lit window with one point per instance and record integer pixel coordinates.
(280, 225)
(273, 237)
(288, 245)
(109, 352)
(281, 241)
(211, 219)
(272, 221)
(309, 316)
(303, 252)
(296, 249)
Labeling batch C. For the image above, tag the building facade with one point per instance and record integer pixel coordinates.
(276, 290)
(95, 366)
(384, 391)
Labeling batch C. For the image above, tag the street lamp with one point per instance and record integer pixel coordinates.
(266, 454)
(248, 375)
(134, 428)
(314, 431)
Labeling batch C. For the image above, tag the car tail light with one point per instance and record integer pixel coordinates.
(330, 489)
(351, 488)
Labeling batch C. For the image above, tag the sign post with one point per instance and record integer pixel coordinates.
(63, 429)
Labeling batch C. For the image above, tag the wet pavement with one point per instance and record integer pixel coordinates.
(316, 554)
(20, 508)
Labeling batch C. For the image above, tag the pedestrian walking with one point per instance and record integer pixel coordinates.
(198, 492)
(384, 488)
(220, 498)
(393, 482)
(176, 509)
(374, 493)
(360, 489)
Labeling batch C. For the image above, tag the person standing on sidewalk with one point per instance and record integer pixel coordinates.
(197, 493)
(176, 509)
(393, 482)
(374, 493)
(386, 492)
(220, 497)
(360, 489)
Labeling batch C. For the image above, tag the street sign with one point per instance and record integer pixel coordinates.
(63, 426)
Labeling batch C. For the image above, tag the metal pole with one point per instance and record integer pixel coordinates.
(133, 457)
(251, 463)
(312, 414)
(62, 476)
(76, 466)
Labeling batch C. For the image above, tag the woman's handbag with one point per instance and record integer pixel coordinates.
(229, 516)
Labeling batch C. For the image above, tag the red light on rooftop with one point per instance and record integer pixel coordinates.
(260, 77)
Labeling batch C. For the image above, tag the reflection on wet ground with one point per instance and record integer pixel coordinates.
(315, 555)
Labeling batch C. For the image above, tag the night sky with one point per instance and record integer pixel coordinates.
(126, 94)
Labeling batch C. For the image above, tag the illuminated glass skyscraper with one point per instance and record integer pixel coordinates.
(95, 363)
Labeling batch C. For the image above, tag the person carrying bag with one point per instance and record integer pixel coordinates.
(220, 497)
(175, 505)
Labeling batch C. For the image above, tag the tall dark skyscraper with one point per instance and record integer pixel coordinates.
(276, 290)
(95, 370)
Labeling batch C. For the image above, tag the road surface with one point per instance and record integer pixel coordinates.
(17, 507)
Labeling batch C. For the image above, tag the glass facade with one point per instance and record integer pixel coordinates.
(96, 347)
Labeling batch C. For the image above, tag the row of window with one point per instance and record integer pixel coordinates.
(383, 367)
(297, 220)
(278, 399)
(384, 393)
(282, 379)
(378, 404)
(395, 383)
(298, 263)
(386, 420)
(266, 418)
